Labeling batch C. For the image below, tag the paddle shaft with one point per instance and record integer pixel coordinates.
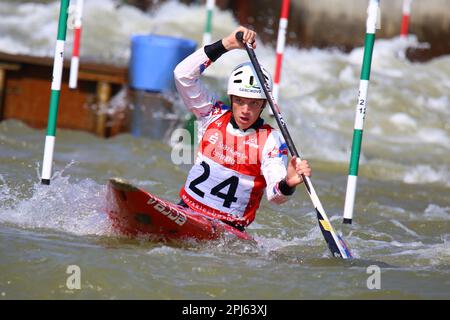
(335, 243)
(276, 111)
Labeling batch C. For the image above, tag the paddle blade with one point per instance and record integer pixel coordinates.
(335, 243)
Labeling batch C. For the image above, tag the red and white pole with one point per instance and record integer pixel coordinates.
(75, 61)
(405, 18)
(281, 41)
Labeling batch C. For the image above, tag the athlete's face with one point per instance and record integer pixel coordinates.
(246, 110)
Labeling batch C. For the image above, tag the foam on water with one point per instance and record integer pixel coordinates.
(77, 207)
(404, 228)
(403, 120)
(433, 255)
(434, 136)
(436, 212)
(64, 205)
(408, 110)
(100, 18)
(402, 211)
(408, 103)
(423, 174)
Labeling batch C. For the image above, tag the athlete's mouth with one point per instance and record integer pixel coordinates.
(244, 119)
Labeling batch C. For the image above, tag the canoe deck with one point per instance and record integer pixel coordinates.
(135, 212)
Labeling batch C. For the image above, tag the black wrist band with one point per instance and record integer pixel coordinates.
(285, 189)
(215, 50)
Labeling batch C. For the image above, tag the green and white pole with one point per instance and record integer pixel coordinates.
(208, 26)
(371, 26)
(55, 92)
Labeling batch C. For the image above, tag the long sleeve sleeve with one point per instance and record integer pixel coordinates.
(274, 164)
(189, 86)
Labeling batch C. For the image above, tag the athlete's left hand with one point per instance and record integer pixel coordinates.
(295, 170)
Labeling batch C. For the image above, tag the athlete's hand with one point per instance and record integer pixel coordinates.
(295, 170)
(230, 42)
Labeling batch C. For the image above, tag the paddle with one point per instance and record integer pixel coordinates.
(335, 243)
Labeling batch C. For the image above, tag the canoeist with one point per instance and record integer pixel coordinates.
(239, 155)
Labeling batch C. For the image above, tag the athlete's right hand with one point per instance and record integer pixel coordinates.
(230, 42)
(295, 170)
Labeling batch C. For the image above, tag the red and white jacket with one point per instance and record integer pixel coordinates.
(232, 167)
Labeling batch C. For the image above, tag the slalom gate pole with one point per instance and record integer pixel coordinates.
(405, 18)
(371, 26)
(335, 243)
(208, 26)
(55, 92)
(75, 61)
(281, 41)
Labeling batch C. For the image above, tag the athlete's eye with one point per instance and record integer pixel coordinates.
(255, 104)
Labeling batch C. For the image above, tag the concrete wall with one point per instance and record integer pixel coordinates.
(342, 22)
(338, 23)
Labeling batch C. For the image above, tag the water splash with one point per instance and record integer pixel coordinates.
(318, 88)
(70, 206)
(433, 211)
(422, 174)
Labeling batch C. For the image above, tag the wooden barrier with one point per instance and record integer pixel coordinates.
(25, 94)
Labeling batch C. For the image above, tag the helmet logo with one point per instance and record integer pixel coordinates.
(249, 89)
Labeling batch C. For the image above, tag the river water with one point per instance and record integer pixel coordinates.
(402, 209)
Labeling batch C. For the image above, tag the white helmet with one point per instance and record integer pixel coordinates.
(243, 82)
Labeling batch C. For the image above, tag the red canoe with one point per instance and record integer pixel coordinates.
(134, 211)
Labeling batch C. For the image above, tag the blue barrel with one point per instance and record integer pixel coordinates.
(153, 59)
